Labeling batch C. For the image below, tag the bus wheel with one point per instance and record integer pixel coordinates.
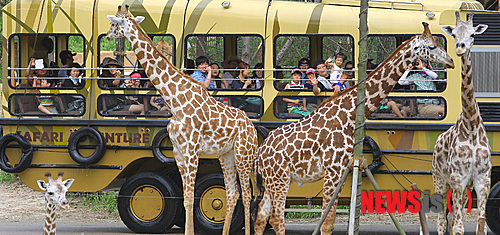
(180, 218)
(26, 156)
(493, 209)
(147, 203)
(157, 144)
(210, 206)
(80, 136)
(377, 154)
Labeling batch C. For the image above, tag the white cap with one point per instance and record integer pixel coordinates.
(39, 64)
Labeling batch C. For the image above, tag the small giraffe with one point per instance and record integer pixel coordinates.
(199, 124)
(55, 195)
(462, 157)
(320, 146)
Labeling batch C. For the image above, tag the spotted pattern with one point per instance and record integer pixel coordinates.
(199, 124)
(55, 195)
(462, 157)
(320, 145)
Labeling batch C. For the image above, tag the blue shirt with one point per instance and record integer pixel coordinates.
(200, 77)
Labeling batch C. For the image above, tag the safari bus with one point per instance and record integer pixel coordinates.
(111, 136)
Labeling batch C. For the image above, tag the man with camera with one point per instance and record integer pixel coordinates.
(422, 78)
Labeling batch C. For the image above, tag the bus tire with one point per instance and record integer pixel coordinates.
(26, 156)
(156, 144)
(377, 154)
(180, 218)
(210, 208)
(142, 192)
(493, 209)
(77, 136)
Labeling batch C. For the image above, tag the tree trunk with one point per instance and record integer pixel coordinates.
(283, 50)
(120, 50)
(245, 49)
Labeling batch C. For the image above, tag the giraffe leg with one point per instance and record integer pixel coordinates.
(440, 187)
(228, 165)
(482, 187)
(331, 181)
(263, 214)
(278, 203)
(456, 195)
(188, 174)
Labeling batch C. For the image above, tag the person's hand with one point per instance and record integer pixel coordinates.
(248, 82)
(410, 67)
(118, 74)
(32, 62)
(314, 81)
(336, 88)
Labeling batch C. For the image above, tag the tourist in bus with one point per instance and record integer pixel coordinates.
(66, 58)
(202, 74)
(220, 82)
(392, 106)
(296, 105)
(347, 74)
(423, 82)
(111, 71)
(336, 68)
(303, 65)
(230, 64)
(158, 104)
(243, 80)
(258, 76)
(45, 102)
(39, 72)
(323, 77)
(296, 80)
(73, 76)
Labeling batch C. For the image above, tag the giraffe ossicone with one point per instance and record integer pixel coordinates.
(55, 196)
(199, 124)
(462, 155)
(320, 145)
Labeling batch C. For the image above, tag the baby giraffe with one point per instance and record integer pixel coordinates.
(55, 195)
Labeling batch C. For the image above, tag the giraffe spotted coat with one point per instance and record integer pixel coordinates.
(319, 146)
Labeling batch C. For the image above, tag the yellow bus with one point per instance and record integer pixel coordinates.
(93, 134)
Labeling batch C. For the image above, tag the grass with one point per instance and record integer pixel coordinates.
(101, 201)
(307, 215)
(7, 178)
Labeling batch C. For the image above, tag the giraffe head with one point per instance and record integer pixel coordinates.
(427, 47)
(55, 190)
(121, 24)
(464, 33)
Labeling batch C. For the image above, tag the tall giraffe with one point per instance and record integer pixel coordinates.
(55, 195)
(462, 156)
(319, 146)
(199, 124)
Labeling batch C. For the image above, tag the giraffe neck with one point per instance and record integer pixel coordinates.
(50, 219)
(470, 115)
(167, 79)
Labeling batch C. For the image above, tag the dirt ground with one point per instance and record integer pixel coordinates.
(22, 204)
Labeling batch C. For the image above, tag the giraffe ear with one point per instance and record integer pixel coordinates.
(139, 19)
(114, 19)
(447, 30)
(480, 29)
(67, 183)
(42, 185)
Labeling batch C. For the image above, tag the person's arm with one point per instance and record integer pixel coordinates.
(116, 82)
(403, 80)
(224, 83)
(431, 73)
(291, 101)
(304, 103)
(31, 64)
(43, 109)
(35, 79)
(206, 82)
(248, 82)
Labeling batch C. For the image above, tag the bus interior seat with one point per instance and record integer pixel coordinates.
(28, 104)
(114, 112)
(63, 105)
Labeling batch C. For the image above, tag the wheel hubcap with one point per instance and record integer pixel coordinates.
(213, 204)
(146, 203)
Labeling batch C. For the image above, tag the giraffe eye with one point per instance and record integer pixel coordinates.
(51, 193)
(432, 47)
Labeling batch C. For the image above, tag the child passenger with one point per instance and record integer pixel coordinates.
(336, 71)
(297, 105)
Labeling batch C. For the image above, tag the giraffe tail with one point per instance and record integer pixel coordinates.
(259, 191)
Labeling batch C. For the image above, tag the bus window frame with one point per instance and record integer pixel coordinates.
(261, 111)
(310, 51)
(445, 79)
(99, 84)
(224, 53)
(11, 96)
(294, 96)
(442, 99)
(9, 58)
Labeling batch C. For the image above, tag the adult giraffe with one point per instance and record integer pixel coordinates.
(55, 195)
(199, 124)
(462, 155)
(319, 146)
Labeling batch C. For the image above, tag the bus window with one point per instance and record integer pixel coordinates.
(290, 107)
(410, 108)
(228, 55)
(381, 46)
(46, 104)
(291, 51)
(118, 53)
(26, 49)
(251, 104)
(111, 105)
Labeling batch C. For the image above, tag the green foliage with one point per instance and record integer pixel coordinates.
(101, 201)
(75, 44)
(7, 178)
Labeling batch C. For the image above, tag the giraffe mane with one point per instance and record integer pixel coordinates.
(148, 39)
(370, 74)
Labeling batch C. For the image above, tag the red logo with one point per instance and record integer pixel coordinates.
(400, 201)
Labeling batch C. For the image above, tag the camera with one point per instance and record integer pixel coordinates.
(414, 63)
